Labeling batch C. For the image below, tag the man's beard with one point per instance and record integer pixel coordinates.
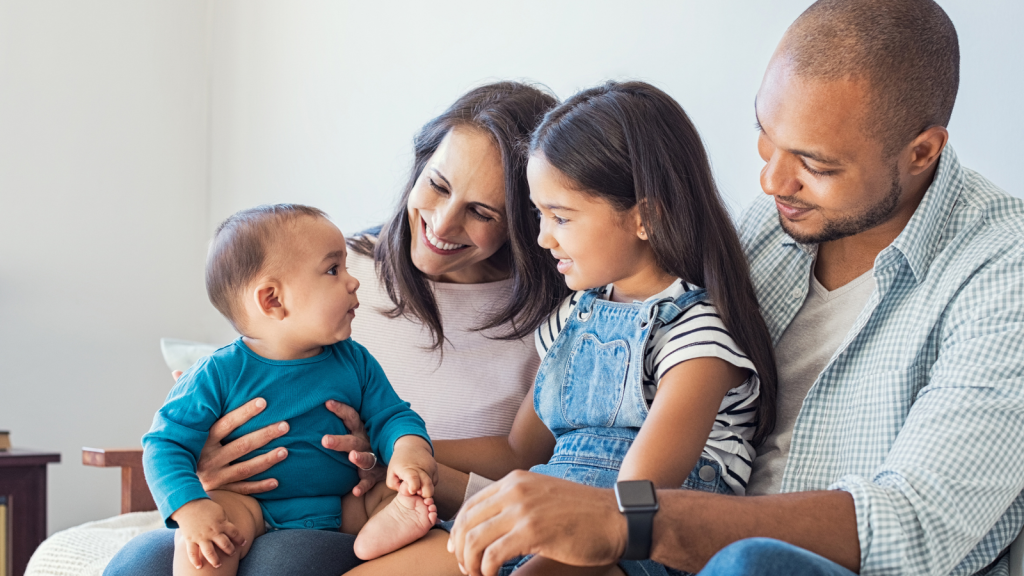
(850, 225)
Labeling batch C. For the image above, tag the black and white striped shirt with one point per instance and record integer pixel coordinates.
(697, 333)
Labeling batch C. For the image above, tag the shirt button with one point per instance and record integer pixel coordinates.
(706, 473)
(309, 523)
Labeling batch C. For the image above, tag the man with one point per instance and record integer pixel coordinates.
(892, 280)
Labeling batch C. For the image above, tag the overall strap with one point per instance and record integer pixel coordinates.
(669, 310)
(665, 312)
(586, 302)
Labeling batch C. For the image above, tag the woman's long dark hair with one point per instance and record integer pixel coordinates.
(508, 111)
(633, 145)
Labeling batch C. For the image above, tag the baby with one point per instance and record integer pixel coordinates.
(278, 274)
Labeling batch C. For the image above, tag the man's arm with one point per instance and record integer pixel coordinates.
(691, 526)
(945, 481)
(528, 513)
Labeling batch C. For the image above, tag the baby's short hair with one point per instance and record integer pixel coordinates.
(239, 252)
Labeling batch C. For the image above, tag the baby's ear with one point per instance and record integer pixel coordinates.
(268, 299)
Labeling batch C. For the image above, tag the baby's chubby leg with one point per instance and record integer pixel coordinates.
(411, 512)
(384, 520)
(241, 511)
(356, 510)
(428, 556)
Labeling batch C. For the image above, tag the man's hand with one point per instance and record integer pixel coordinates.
(357, 444)
(528, 513)
(203, 528)
(412, 468)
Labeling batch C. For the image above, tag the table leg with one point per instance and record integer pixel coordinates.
(25, 488)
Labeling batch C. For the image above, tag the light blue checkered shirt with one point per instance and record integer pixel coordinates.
(920, 412)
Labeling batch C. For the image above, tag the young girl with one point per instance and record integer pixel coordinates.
(659, 367)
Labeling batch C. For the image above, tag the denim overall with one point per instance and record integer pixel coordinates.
(590, 392)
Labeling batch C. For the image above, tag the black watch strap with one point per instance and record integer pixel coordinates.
(640, 525)
(638, 502)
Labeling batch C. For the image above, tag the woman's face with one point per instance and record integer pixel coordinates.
(457, 210)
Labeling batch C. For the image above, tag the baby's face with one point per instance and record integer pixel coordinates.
(319, 294)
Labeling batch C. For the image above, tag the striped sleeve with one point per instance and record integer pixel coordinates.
(698, 333)
(549, 330)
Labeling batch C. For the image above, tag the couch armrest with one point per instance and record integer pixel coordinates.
(135, 495)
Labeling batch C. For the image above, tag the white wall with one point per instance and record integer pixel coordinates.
(317, 101)
(103, 225)
(129, 128)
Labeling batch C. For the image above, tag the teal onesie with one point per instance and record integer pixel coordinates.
(312, 479)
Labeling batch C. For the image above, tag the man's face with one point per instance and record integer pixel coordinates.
(828, 177)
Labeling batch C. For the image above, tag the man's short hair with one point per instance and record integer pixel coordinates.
(907, 51)
(239, 252)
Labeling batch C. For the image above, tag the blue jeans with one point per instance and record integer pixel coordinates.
(307, 552)
(767, 557)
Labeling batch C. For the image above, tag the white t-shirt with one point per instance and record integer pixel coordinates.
(697, 333)
(804, 350)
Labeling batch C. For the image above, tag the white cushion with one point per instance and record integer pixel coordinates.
(181, 354)
(87, 549)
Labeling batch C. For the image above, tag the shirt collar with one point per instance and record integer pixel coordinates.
(919, 238)
(674, 290)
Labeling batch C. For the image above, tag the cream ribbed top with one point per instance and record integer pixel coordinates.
(479, 386)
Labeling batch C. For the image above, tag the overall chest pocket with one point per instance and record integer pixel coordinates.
(594, 380)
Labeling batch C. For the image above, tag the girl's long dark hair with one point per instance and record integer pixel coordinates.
(509, 112)
(633, 145)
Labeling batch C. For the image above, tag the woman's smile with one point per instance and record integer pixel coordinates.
(436, 244)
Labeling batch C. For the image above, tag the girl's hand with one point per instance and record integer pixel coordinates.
(412, 468)
(215, 468)
(357, 444)
(203, 528)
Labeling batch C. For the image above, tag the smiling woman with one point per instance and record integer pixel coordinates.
(457, 209)
(465, 216)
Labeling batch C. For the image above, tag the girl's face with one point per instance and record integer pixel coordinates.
(457, 210)
(595, 243)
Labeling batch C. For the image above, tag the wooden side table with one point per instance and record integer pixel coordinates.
(23, 481)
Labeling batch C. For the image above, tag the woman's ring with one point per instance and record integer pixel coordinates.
(372, 465)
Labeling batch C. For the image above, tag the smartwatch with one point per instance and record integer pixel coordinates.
(638, 503)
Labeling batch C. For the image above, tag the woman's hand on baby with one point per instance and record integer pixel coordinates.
(215, 468)
(357, 444)
(413, 469)
(203, 528)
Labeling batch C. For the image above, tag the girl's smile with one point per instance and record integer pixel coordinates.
(563, 264)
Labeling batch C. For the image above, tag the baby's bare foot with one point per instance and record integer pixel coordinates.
(403, 521)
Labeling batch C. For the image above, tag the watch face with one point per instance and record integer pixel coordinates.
(636, 494)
